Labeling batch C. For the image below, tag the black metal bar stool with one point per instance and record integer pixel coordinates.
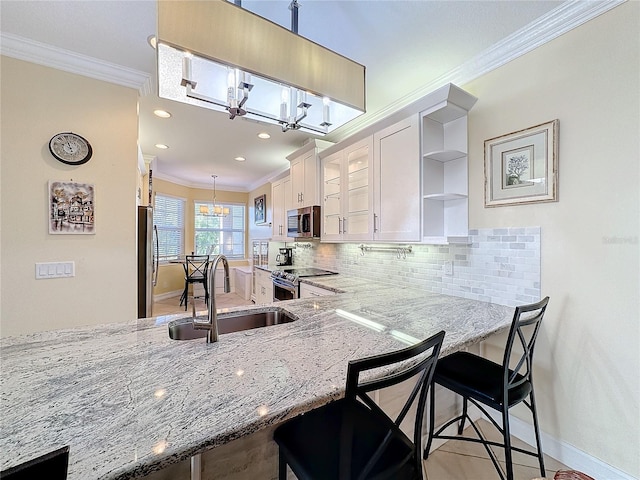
(353, 438)
(195, 271)
(483, 382)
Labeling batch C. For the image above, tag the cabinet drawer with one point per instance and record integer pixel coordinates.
(307, 291)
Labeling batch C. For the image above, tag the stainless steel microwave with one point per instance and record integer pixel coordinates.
(304, 222)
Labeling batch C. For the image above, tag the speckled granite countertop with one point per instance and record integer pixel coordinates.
(130, 401)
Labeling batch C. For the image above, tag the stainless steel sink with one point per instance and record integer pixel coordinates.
(182, 329)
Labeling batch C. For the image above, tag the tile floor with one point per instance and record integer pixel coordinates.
(454, 460)
(169, 306)
(465, 460)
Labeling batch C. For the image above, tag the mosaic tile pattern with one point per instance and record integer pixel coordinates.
(500, 265)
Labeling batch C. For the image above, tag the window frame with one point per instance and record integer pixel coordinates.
(231, 206)
(180, 229)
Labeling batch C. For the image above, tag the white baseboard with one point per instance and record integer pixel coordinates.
(164, 296)
(563, 452)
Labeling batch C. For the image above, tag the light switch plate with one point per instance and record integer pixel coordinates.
(55, 270)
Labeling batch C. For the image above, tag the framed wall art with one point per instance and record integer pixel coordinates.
(522, 167)
(71, 208)
(260, 204)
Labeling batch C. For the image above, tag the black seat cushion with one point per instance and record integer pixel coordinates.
(476, 377)
(311, 442)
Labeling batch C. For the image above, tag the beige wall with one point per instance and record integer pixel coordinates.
(38, 102)
(587, 368)
(260, 231)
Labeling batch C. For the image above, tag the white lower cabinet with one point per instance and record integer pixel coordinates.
(264, 286)
(308, 291)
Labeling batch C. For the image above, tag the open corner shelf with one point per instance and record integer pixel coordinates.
(444, 155)
(443, 197)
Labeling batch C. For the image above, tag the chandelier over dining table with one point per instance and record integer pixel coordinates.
(216, 210)
(217, 55)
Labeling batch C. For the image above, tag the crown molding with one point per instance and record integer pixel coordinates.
(188, 184)
(49, 56)
(556, 22)
(276, 175)
(270, 178)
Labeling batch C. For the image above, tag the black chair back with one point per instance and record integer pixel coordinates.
(525, 327)
(50, 466)
(196, 267)
(424, 366)
(482, 382)
(353, 438)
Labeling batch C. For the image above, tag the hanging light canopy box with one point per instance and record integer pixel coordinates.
(217, 55)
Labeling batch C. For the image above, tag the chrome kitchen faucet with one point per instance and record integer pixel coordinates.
(212, 314)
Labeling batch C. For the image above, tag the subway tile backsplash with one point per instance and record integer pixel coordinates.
(500, 265)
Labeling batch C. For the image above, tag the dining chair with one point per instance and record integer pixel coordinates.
(498, 386)
(195, 271)
(353, 438)
(52, 466)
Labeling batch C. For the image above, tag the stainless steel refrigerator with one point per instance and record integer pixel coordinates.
(147, 261)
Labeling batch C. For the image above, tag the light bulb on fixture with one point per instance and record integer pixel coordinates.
(280, 90)
(217, 210)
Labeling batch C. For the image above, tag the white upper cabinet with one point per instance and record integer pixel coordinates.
(403, 179)
(280, 203)
(396, 189)
(304, 174)
(445, 189)
(346, 190)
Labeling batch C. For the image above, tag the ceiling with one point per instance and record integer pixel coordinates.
(405, 46)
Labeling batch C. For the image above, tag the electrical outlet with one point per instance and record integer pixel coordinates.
(448, 267)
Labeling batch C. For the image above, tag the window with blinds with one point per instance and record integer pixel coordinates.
(219, 235)
(168, 217)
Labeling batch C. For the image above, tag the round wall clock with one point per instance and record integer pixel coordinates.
(70, 148)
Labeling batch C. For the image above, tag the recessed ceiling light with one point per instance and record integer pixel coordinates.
(153, 41)
(162, 146)
(240, 159)
(264, 135)
(161, 113)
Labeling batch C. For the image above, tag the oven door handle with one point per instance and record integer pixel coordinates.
(284, 285)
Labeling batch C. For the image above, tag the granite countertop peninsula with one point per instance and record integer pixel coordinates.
(130, 401)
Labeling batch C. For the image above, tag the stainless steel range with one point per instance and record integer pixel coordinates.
(286, 282)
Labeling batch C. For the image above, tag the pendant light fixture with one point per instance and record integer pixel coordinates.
(217, 55)
(217, 210)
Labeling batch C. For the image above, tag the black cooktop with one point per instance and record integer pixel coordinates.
(308, 272)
